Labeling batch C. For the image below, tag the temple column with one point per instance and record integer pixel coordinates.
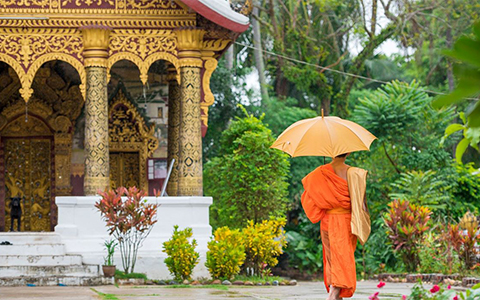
(95, 53)
(190, 177)
(173, 128)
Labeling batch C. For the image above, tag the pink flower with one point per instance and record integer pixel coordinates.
(404, 297)
(381, 284)
(455, 298)
(449, 287)
(434, 289)
(374, 296)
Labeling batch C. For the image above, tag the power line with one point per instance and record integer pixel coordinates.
(338, 71)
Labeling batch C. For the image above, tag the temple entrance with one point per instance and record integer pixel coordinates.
(124, 168)
(27, 160)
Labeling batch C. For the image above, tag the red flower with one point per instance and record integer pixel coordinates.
(434, 289)
(455, 298)
(404, 297)
(381, 284)
(374, 296)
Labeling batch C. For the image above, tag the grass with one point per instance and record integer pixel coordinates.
(210, 286)
(121, 275)
(257, 279)
(105, 296)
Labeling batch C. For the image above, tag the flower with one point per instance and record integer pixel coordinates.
(456, 297)
(381, 284)
(449, 287)
(404, 297)
(374, 296)
(434, 289)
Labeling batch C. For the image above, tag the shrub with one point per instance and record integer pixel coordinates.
(226, 253)
(249, 180)
(182, 257)
(263, 243)
(439, 292)
(129, 220)
(407, 224)
(463, 238)
(436, 255)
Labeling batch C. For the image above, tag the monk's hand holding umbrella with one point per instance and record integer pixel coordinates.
(334, 193)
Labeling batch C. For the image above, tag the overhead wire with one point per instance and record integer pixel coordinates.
(338, 71)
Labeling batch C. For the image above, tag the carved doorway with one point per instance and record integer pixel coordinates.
(28, 171)
(124, 168)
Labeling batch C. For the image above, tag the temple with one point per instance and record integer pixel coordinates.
(96, 94)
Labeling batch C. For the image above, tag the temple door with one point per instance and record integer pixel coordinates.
(124, 168)
(28, 174)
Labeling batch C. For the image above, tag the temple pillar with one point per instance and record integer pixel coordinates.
(95, 53)
(173, 129)
(190, 177)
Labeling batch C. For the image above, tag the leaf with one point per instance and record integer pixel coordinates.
(453, 128)
(461, 148)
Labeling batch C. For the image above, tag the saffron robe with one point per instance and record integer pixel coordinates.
(327, 199)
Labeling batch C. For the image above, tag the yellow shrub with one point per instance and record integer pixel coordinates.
(226, 253)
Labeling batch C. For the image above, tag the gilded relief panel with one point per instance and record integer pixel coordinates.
(124, 169)
(27, 175)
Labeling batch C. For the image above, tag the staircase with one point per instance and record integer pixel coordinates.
(39, 259)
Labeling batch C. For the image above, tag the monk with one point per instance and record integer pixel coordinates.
(335, 195)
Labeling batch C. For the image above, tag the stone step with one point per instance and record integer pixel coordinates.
(32, 249)
(49, 271)
(56, 280)
(40, 260)
(30, 237)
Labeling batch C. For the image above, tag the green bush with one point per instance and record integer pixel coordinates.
(263, 243)
(182, 257)
(248, 182)
(436, 255)
(226, 253)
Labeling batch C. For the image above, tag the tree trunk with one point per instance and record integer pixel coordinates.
(341, 101)
(258, 53)
(229, 56)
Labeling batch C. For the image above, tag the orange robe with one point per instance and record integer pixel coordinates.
(327, 199)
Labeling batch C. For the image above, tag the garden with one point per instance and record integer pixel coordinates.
(423, 186)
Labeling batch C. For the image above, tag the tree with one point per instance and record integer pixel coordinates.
(248, 179)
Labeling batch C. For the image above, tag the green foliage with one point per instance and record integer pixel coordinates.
(304, 253)
(181, 255)
(110, 247)
(421, 188)
(471, 137)
(467, 50)
(263, 243)
(407, 224)
(442, 293)
(226, 253)
(436, 255)
(248, 182)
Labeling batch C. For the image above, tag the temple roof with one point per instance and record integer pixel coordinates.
(220, 12)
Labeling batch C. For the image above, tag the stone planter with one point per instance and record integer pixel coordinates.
(108, 271)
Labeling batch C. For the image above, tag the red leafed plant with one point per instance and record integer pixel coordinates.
(129, 219)
(406, 224)
(463, 237)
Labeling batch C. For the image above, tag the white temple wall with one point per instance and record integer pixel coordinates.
(83, 231)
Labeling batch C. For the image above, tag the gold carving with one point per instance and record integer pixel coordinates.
(142, 42)
(28, 172)
(208, 98)
(26, 50)
(96, 132)
(190, 39)
(96, 40)
(128, 132)
(215, 45)
(190, 182)
(124, 168)
(173, 129)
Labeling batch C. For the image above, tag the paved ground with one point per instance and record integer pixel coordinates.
(303, 291)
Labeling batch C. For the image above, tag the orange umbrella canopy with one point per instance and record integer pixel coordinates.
(323, 136)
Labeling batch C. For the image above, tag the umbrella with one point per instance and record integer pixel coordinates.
(323, 136)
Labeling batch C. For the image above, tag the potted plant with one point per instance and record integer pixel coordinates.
(108, 266)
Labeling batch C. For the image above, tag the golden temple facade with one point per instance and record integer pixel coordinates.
(65, 129)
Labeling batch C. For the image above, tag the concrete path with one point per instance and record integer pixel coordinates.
(303, 291)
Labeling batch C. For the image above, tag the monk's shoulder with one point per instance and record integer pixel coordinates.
(354, 171)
